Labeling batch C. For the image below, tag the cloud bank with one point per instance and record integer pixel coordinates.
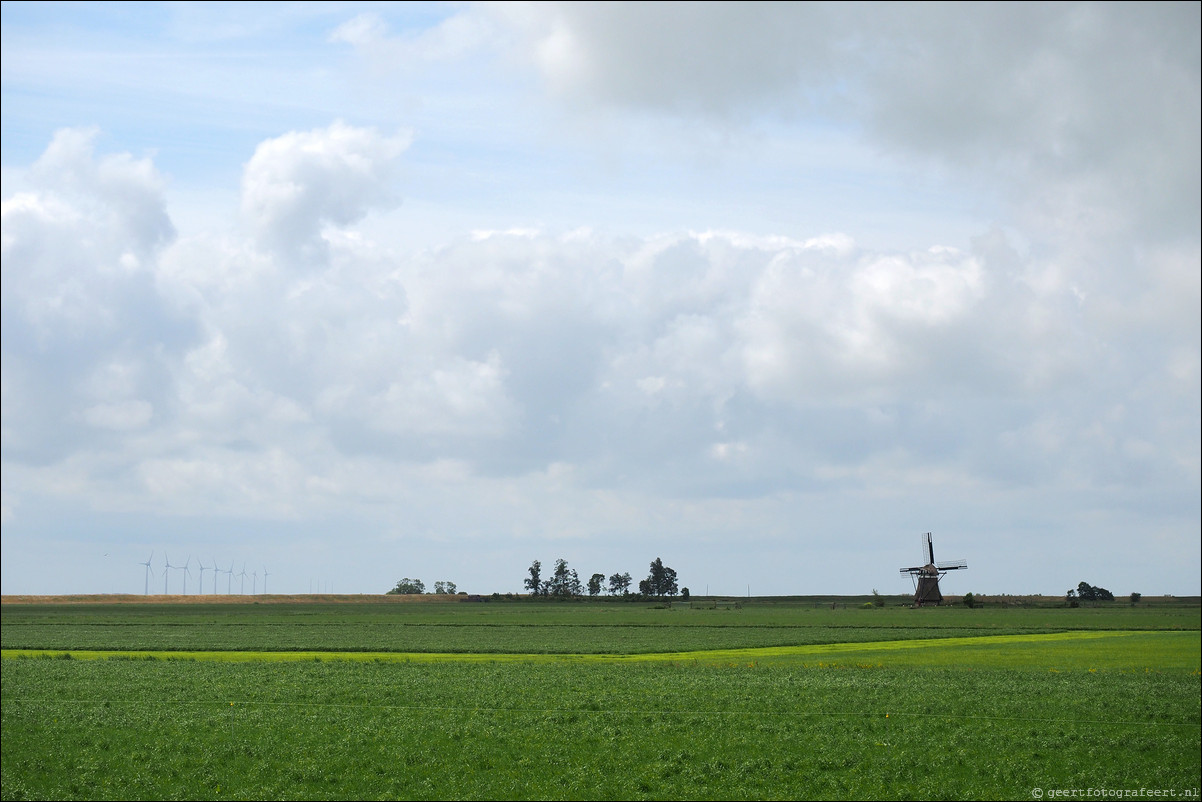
(731, 397)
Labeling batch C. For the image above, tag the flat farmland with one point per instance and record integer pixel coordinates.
(519, 700)
(508, 627)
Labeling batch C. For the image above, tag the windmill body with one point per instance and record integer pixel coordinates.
(926, 577)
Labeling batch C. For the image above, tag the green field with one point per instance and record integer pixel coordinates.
(596, 701)
(526, 628)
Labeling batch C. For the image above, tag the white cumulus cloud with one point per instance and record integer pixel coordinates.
(296, 184)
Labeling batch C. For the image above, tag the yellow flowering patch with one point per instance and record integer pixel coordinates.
(1085, 650)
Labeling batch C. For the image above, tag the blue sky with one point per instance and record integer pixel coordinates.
(353, 292)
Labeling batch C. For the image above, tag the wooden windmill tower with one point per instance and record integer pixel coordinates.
(926, 577)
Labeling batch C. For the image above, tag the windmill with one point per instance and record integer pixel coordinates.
(926, 577)
(265, 580)
(229, 578)
(242, 590)
(200, 583)
(216, 571)
(167, 566)
(148, 571)
(254, 586)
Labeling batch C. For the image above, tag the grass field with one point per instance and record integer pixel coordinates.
(615, 701)
(522, 627)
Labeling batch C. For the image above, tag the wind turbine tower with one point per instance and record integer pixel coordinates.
(200, 583)
(167, 566)
(186, 572)
(264, 580)
(147, 564)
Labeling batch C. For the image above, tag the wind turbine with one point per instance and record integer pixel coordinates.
(242, 589)
(254, 585)
(215, 572)
(264, 580)
(186, 572)
(229, 579)
(147, 564)
(167, 566)
(200, 583)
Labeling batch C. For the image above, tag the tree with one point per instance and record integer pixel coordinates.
(1087, 592)
(970, 600)
(407, 586)
(662, 581)
(669, 587)
(877, 598)
(1135, 597)
(684, 594)
(564, 583)
(619, 584)
(533, 583)
(444, 588)
(594, 584)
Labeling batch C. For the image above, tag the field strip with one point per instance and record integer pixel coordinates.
(826, 650)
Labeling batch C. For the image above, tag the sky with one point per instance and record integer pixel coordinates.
(327, 295)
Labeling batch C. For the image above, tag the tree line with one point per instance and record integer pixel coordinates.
(564, 582)
(408, 586)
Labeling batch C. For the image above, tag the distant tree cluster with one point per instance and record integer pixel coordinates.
(1087, 592)
(565, 583)
(661, 582)
(409, 586)
(619, 584)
